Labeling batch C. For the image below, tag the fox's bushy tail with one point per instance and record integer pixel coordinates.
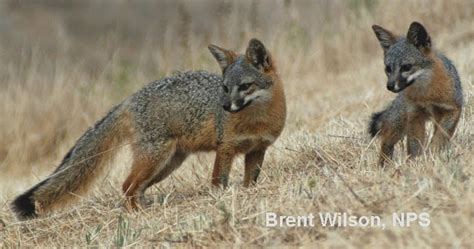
(79, 168)
(374, 124)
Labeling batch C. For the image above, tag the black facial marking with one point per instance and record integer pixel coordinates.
(245, 86)
(402, 84)
(226, 107)
(240, 104)
(410, 82)
(406, 67)
(246, 104)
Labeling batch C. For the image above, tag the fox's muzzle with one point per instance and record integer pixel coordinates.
(399, 85)
(391, 86)
(236, 106)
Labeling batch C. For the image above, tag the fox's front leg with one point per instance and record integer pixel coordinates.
(415, 133)
(253, 164)
(222, 166)
(445, 125)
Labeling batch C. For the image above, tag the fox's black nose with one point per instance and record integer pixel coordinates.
(391, 85)
(226, 107)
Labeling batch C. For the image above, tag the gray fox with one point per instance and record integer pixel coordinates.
(428, 88)
(242, 112)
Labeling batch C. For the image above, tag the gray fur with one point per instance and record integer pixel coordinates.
(195, 96)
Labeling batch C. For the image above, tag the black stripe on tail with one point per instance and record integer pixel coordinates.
(24, 205)
(374, 123)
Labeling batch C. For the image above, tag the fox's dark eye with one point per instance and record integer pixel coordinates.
(225, 88)
(245, 86)
(406, 67)
(388, 69)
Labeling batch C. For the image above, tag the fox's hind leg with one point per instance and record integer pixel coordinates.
(146, 165)
(445, 125)
(176, 161)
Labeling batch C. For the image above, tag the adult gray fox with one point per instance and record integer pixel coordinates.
(428, 87)
(242, 112)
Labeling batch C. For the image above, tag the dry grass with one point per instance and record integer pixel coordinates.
(63, 66)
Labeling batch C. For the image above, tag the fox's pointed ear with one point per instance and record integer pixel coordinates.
(224, 57)
(258, 55)
(385, 37)
(418, 36)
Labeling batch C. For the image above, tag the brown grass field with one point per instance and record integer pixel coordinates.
(62, 66)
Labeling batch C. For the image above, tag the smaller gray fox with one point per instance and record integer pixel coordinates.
(428, 88)
(242, 112)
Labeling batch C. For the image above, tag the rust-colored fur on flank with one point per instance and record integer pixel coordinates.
(204, 140)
